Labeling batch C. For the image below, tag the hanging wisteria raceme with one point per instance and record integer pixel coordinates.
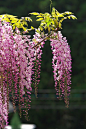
(3, 107)
(20, 59)
(37, 55)
(16, 63)
(61, 63)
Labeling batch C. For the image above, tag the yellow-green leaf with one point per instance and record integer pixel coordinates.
(34, 13)
(53, 11)
(68, 17)
(52, 22)
(40, 19)
(62, 19)
(73, 17)
(39, 16)
(60, 25)
(28, 19)
(58, 13)
(11, 16)
(38, 31)
(14, 20)
(13, 27)
(6, 19)
(67, 12)
(42, 23)
(24, 28)
(32, 27)
(48, 29)
(41, 28)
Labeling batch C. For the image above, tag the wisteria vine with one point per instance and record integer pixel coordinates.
(20, 60)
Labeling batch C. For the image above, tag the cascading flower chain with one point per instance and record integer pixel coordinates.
(37, 64)
(61, 63)
(20, 59)
(15, 70)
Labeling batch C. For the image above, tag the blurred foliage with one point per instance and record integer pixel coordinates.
(15, 121)
(75, 31)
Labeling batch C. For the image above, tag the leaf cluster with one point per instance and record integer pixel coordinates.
(52, 21)
(15, 22)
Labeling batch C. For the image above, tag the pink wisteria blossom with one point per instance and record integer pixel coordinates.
(20, 63)
(16, 63)
(61, 63)
(37, 64)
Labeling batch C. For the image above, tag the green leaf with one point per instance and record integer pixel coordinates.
(63, 19)
(67, 12)
(40, 19)
(68, 17)
(58, 13)
(49, 23)
(28, 19)
(41, 28)
(47, 20)
(60, 25)
(13, 26)
(48, 29)
(34, 13)
(32, 27)
(73, 17)
(7, 19)
(11, 16)
(42, 23)
(53, 11)
(24, 28)
(39, 16)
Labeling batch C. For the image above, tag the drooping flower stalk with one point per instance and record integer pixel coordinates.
(37, 64)
(20, 58)
(16, 63)
(61, 63)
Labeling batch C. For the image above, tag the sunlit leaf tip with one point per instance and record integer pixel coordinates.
(40, 19)
(34, 13)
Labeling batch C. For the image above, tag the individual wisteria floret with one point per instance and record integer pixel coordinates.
(16, 63)
(61, 63)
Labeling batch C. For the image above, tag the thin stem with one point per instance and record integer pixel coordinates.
(48, 36)
(42, 40)
(50, 4)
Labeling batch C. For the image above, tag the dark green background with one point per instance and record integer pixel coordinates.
(47, 112)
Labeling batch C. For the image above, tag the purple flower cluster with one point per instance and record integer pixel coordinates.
(16, 63)
(61, 63)
(19, 60)
(37, 64)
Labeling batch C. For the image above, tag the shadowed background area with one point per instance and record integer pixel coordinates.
(46, 111)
